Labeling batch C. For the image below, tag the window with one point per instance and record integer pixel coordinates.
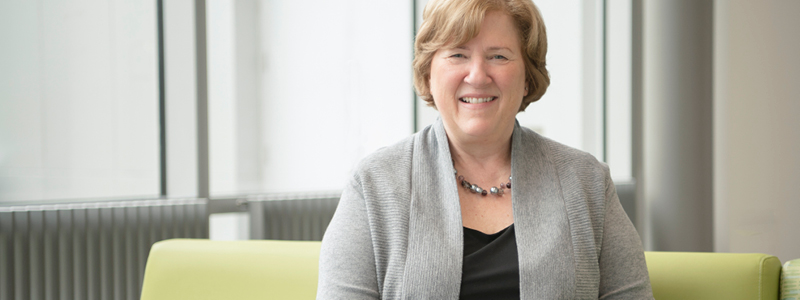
(299, 92)
(79, 107)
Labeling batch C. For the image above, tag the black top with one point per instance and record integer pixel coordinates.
(491, 267)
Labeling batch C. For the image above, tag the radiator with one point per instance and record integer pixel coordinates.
(291, 217)
(88, 251)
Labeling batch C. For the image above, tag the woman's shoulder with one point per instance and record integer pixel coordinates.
(389, 165)
(397, 157)
(566, 159)
(388, 157)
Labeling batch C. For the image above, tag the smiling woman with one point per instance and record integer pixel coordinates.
(478, 86)
(425, 218)
(439, 32)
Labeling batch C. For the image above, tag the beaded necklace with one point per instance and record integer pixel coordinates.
(475, 189)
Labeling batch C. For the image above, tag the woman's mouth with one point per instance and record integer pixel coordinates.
(476, 100)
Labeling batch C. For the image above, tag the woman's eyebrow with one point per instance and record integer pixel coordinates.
(494, 48)
(500, 48)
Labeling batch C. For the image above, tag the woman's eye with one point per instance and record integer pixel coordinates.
(457, 55)
(499, 57)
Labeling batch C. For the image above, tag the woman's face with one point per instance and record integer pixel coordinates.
(478, 86)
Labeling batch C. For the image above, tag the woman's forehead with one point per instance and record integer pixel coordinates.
(497, 32)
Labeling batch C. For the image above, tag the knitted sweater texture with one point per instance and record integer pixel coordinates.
(397, 232)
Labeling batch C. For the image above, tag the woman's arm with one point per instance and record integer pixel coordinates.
(347, 259)
(623, 271)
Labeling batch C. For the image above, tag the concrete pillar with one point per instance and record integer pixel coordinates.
(676, 173)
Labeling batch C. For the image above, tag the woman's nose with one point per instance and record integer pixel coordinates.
(478, 75)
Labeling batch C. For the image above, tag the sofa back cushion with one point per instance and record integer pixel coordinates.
(711, 276)
(203, 269)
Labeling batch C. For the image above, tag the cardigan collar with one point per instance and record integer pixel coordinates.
(435, 238)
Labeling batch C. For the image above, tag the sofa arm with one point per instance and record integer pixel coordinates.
(710, 276)
(203, 269)
(790, 280)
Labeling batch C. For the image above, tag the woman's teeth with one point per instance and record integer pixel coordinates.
(476, 100)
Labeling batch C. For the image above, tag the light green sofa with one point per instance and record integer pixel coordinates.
(203, 269)
(694, 275)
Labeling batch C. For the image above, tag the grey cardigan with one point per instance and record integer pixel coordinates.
(397, 232)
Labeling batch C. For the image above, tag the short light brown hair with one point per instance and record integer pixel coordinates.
(450, 23)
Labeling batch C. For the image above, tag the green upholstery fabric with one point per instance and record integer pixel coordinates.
(216, 270)
(711, 276)
(790, 280)
(203, 269)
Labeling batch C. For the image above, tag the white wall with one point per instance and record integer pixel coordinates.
(619, 147)
(757, 127)
(180, 79)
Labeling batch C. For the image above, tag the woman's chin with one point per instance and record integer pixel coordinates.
(481, 130)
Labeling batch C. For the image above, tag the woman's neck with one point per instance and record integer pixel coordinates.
(487, 156)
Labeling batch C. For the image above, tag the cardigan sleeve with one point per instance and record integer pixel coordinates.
(347, 260)
(623, 270)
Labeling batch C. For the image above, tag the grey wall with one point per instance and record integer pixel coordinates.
(720, 100)
(757, 127)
